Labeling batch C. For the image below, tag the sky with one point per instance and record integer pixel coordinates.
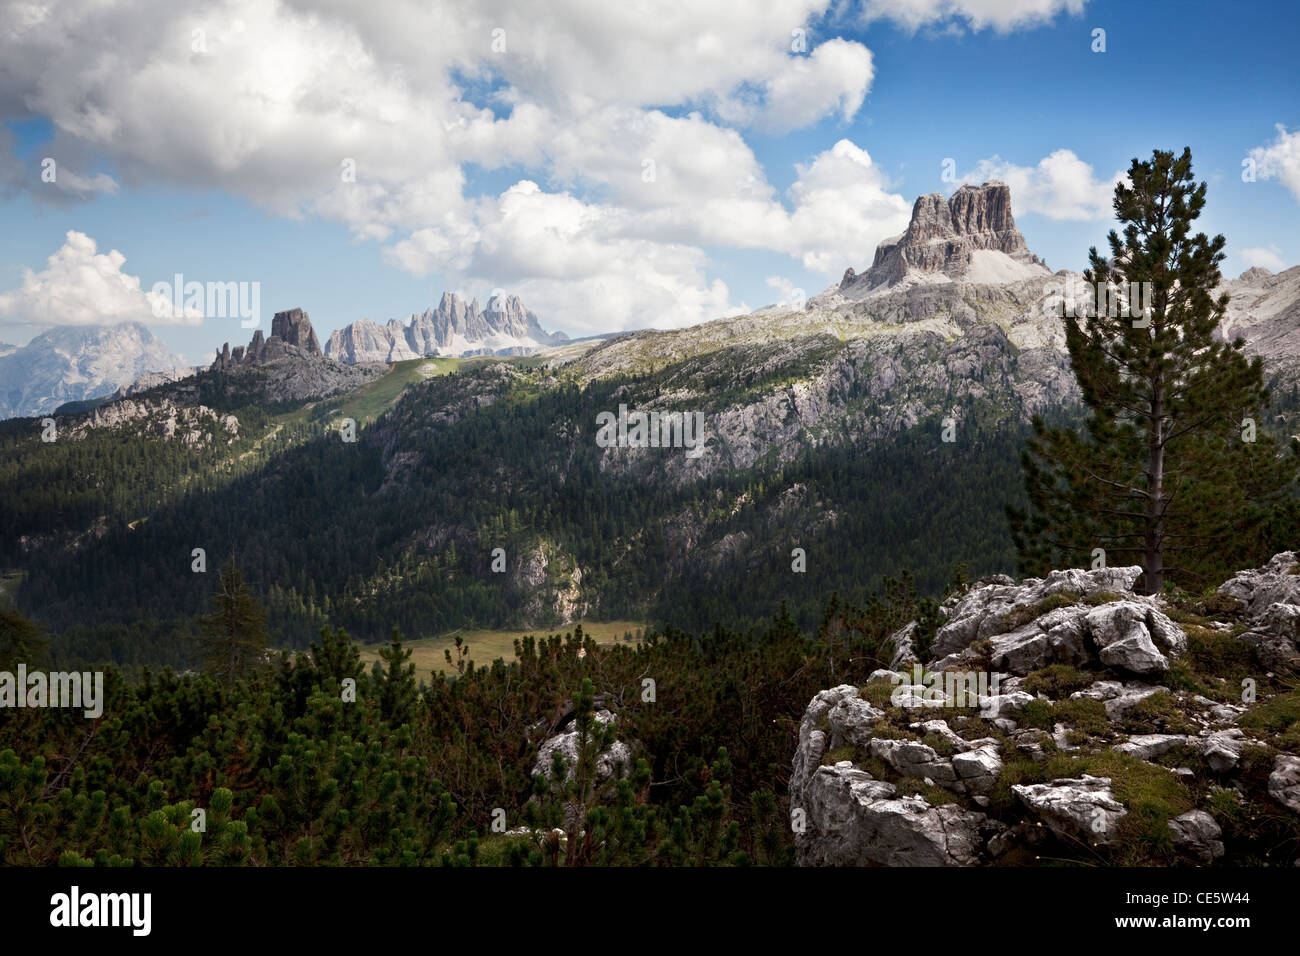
(649, 163)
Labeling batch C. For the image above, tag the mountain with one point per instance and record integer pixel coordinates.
(970, 237)
(455, 328)
(75, 363)
(875, 431)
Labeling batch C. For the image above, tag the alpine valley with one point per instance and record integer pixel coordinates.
(872, 432)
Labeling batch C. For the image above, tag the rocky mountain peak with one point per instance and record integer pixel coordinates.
(291, 335)
(970, 237)
(77, 363)
(294, 328)
(456, 328)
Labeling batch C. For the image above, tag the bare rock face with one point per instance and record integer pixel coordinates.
(291, 335)
(869, 824)
(456, 327)
(294, 328)
(1198, 834)
(1284, 782)
(946, 238)
(1082, 808)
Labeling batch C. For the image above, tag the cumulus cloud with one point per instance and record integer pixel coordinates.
(1061, 186)
(620, 262)
(576, 262)
(1269, 257)
(628, 120)
(82, 286)
(1280, 160)
(1000, 15)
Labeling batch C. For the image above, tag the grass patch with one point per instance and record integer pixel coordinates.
(1152, 795)
(1084, 715)
(1278, 717)
(1057, 681)
(933, 794)
(832, 757)
(878, 693)
(1157, 714)
(1020, 616)
(1098, 598)
(485, 646)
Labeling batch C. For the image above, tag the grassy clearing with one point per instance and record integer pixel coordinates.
(368, 402)
(485, 646)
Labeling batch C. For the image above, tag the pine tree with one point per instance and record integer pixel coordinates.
(1171, 473)
(396, 680)
(233, 636)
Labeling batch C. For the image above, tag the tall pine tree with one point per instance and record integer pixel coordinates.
(233, 636)
(1173, 472)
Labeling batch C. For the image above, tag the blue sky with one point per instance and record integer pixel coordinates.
(524, 168)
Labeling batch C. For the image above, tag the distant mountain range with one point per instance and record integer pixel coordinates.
(75, 363)
(455, 329)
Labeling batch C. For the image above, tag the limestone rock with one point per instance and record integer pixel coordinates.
(1284, 781)
(294, 328)
(853, 820)
(1081, 808)
(1258, 589)
(971, 236)
(1198, 834)
(1222, 750)
(1150, 746)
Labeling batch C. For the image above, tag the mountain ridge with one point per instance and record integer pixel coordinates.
(455, 329)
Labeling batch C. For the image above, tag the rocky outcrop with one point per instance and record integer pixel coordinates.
(1082, 809)
(874, 826)
(294, 328)
(286, 367)
(1197, 834)
(291, 337)
(160, 418)
(1284, 781)
(616, 759)
(455, 328)
(1269, 598)
(1130, 635)
(879, 778)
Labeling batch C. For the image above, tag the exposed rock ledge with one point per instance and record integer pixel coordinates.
(1070, 725)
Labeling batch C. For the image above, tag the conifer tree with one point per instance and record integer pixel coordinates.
(233, 636)
(1173, 471)
(396, 679)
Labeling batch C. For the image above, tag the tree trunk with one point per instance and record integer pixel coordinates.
(1153, 578)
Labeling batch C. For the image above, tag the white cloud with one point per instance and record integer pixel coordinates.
(570, 261)
(279, 100)
(1001, 15)
(790, 295)
(1280, 160)
(1060, 187)
(1269, 258)
(634, 262)
(81, 286)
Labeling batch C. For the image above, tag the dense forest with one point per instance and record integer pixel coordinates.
(333, 533)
